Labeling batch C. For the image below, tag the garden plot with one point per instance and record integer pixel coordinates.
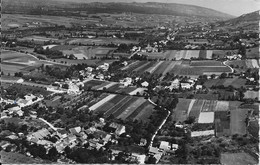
(209, 106)
(222, 106)
(109, 104)
(161, 68)
(155, 67)
(118, 111)
(203, 54)
(206, 117)
(192, 54)
(129, 110)
(209, 54)
(196, 108)
(145, 113)
(101, 102)
(179, 55)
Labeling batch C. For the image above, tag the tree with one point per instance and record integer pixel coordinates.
(53, 154)
(223, 75)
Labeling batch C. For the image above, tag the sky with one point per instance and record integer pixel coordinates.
(232, 7)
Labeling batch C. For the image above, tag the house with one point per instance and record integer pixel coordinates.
(145, 84)
(119, 129)
(154, 151)
(143, 142)
(13, 137)
(4, 144)
(198, 87)
(175, 147)
(4, 115)
(107, 138)
(164, 145)
(39, 135)
(157, 157)
(186, 85)
(62, 133)
(75, 131)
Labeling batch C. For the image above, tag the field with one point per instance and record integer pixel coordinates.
(237, 121)
(196, 107)
(16, 158)
(21, 19)
(235, 82)
(19, 62)
(252, 95)
(113, 87)
(124, 107)
(206, 117)
(184, 68)
(252, 63)
(253, 53)
(237, 158)
(101, 41)
(222, 123)
(39, 39)
(181, 110)
(180, 54)
(82, 52)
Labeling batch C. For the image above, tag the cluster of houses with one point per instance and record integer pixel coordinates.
(165, 148)
(72, 87)
(189, 84)
(15, 110)
(62, 138)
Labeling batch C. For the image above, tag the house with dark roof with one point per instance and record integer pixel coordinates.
(118, 128)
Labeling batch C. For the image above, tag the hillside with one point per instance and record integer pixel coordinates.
(250, 20)
(25, 6)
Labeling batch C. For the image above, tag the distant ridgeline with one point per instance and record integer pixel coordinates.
(54, 7)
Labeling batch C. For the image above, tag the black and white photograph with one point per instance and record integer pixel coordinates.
(129, 82)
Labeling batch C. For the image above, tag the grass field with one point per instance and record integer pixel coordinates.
(235, 82)
(185, 68)
(237, 121)
(222, 123)
(101, 41)
(145, 113)
(252, 95)
(16, 158)
(206, 63)
(196, 109)
(206, 117)
(180, 54)
(131, 108)
(237, 158)
(181, 110)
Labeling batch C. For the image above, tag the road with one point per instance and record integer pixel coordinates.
(164, 121)
(232, 70)
(133, 54)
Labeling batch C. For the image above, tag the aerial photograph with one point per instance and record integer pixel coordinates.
(129, 82)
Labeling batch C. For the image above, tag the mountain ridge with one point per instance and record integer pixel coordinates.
(134, 7)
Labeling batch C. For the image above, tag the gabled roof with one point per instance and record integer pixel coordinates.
(154, 150)
(75, 130)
